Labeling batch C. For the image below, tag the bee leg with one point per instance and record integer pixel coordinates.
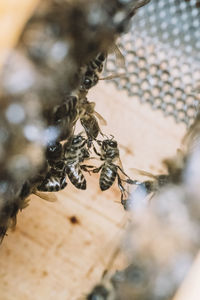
(97, 169)
(122, 190)
(129, 180)
(63, 182)
(3, 233)
(95, 151)
(102, 134)
(99, 142)
(85, 168)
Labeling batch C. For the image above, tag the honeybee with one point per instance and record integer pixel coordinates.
(102, 291)
(129, 283)
(65, 116)
(175, 169)
(20, 201)
(147, 187)
(88, 118)
(109, 170)
(49, 55)
(91, 75)
(95, 67)
(55, 179)
(75, 152)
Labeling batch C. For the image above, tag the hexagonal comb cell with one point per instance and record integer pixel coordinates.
(162, 57)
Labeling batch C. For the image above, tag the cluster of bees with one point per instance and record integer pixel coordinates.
(67, 157)
(67, 154)
(58, 62)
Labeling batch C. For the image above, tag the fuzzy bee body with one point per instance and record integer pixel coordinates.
(55, 179)
(76, 176)
(97, 63)
(91, 126)
(102, 291)
(109, 169)
(89, 121)
(93, 68)
(65, 116)
(75, 152)
(109, 153)
(150, 186)
(107, 176)
(157, 182)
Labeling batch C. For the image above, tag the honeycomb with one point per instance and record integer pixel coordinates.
(162, 58)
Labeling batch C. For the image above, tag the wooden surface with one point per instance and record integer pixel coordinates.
(50, 257)
(13, 15)
(47, 255)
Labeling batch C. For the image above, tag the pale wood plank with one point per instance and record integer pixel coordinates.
(48, 257)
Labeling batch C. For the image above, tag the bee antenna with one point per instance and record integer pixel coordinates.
(98, 142)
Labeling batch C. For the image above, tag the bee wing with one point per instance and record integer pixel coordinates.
(123, 175)
(176, 162)
(120, 60)
(47, 196)
(122, 75)
(101, 119)
(144, 173)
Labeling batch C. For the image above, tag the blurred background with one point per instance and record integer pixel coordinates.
(61, 249)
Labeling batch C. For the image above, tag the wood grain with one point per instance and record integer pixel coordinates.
(13, 15)
(48, 256)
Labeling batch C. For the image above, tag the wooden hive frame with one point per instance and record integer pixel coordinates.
(56, 250)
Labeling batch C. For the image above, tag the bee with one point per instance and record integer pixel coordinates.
(91, 75)
(109, 169)
(55, 179)
(129, 283)
(10, 208)
(102, 291)
(175, 169)
(72, 109)
(88, 118)
(75, 152)
(65, 116)
(50, 57)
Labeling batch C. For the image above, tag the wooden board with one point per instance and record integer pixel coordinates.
(49, 255)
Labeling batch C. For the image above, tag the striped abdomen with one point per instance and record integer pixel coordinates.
(90, 125)
(107, 177)
(76, 176)
(65, 117)
(54, 181)
(67, 110)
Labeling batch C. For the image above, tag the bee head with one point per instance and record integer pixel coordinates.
(77, 139)
(99, 293)
(101, 57)
(89, 80)
(109, 144)
(87, 83)
(53, 150)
